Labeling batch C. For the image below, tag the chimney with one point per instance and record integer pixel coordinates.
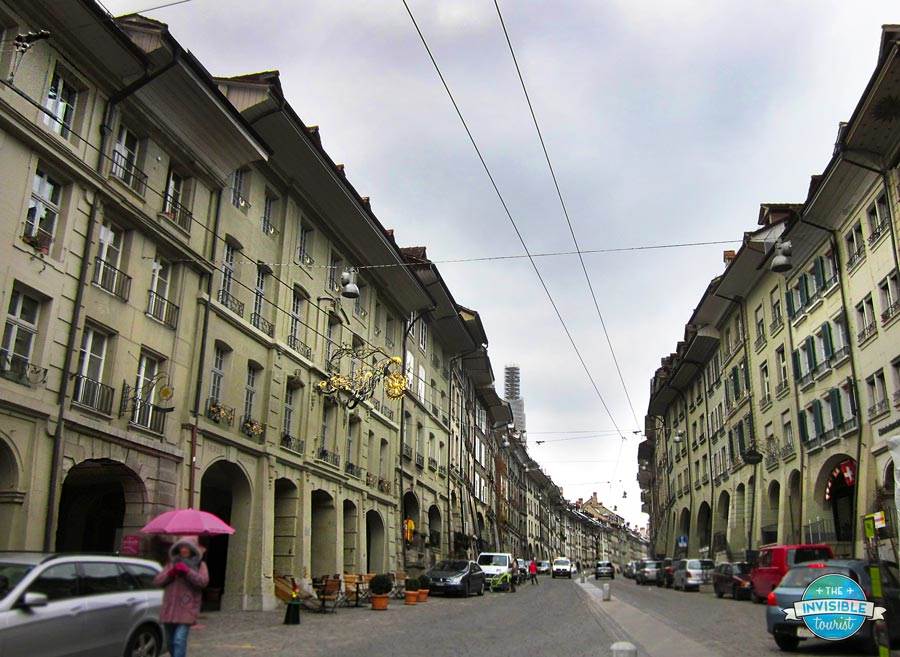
(728, 256)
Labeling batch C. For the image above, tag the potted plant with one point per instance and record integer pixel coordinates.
(412, 591)
(424, 583)
(380, 587)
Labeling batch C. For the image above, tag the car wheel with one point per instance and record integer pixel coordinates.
(786, 642)
(719, 594)
(481, 588)
(756, 599)
(145, 642)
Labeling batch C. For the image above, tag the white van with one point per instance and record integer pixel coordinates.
(495, 563)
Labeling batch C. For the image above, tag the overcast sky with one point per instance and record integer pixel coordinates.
(666, 122)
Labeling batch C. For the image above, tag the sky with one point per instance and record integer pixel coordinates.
(667, 122)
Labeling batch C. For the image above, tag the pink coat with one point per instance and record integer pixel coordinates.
(183, 592)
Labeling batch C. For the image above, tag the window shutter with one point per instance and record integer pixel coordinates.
(827, 341)
(817, 417)
(854, 408)
(811, 353)
(789, 299)
(801, 287)
(804, 433)
(795, 358)
(746, 374)
(834, 398)
(819, 273)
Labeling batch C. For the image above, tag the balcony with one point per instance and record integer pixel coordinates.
(848, 425)
(806, 380)
(148, 416)
(878, 408)
(388, 341)
(787, 451)
(219, 412)
(434, 409)
(839, 355)
(760, 341)
(771, 459)
(420, 461)
(442, 471)
(263, 324)
(37, 238)
(17, 369)
(387, 412)
(777, 323)
(267, 227)
(124, 168)
(857, 256)
(876, 232)
(299, 346)
(292, 443)
(332, 458)
(228, 300)
(705, 478)
(445, 420)
(113, 280)
(161, 309)
(252, 428)
(93, 395)
(765, 399)
(432, 464)
(178, 214)
(353, 470)
(406, 451)
(371, 480)
(384, 486)
(890, 311)
(304, 258)
(867, 332)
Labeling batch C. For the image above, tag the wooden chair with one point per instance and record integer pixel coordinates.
(351, 589)
(330, 594)
(399, 590)
(364, 593)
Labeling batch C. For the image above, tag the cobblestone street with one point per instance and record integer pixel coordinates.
(555, 618)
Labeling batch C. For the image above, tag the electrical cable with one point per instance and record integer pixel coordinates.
(565, 209)
(512, 221)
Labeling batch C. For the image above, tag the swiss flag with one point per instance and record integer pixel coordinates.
(848, 469)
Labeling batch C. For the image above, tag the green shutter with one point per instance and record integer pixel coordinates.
(811, 353)
(801, 287)
(819, 273)
(795, 358)
(827, 340)
(789, 299)
(801, 422)
(817, 417)
(834, 398)
(853, 406)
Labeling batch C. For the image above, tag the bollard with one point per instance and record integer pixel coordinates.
(582, 575)
(623, 649)
(606, 596)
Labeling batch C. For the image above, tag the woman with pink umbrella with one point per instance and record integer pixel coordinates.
(186, 575)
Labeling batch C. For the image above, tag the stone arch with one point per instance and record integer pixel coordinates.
(720, 523)
(101, 501)
(887, 480)
(791, 533)
(351, 536)
(831, 503)
(771, 506)
(683, 529)
(704, 526)
(9, 466)
(434, 527)
(323, 534)
(225, 491)
(738, 537)
(286, 519)
(375, 542)
(411, 507)
(11, 498)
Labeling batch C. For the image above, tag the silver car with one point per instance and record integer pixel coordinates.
(691, 573)
(78, 606)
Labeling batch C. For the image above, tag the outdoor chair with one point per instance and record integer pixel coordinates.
(399, 590)
(330, 595)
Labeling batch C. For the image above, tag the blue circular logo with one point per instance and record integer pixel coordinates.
(833, 607)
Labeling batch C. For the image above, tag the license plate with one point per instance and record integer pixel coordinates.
(804, 633)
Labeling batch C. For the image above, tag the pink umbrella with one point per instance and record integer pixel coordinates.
(187, 522)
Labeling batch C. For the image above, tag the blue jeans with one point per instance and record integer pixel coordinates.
(176, 638)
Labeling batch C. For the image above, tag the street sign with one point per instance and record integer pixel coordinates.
(682, 541)
(879, 520)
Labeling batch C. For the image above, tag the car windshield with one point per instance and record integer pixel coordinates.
(803, 576)
(451, 566)
(544, 563)
(707, 564)
(493, 560)
(603, 564)
(742, 568)
(561, 562)
(693, 564)
(10, 575)
(651, 564)
(800, 555)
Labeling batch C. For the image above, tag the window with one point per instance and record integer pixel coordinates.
(217, 374)
(259, 297)
(877, 216)
(160, 307)
(98, 578)
(822, 344)
(57, 582)
(764, 381)
(877, 391)
(19, 335)
(782, 367)
(420, 384)
(351, 443)
(304, 248)
(288, 419)
(895, 368)
(43, 211)
(332, 336)
(865, 318)
(787, 431)
(760, 319)
(889, 290)
(145, 413)
(89, 388)
(239, 189)
(829, 269)
(125, 160)
(175, 200)
(62, 103)
(856, 248)
(423, 335)
(294, 336)
(334, 273)
(410, 370)
(249, 392)
(268, 215)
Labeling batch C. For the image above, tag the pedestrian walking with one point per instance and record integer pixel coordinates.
(513, 576)
(532, 572)
(183, 579)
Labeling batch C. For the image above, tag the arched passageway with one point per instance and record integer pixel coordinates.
(323, 535)
(375, 543)
(287, 520)
(351, 535)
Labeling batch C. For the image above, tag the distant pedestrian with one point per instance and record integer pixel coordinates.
(183, 579)
(514, 575)
(532, 572)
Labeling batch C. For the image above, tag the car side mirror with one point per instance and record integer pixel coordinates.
(30, 600)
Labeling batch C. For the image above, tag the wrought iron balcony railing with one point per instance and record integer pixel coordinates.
(329, 457)
(890, 311)
(432, 463)
(856, 257)
(299, 346)
(161, 309)
(867, 331)
(148, 416)
(406, 450)
(228, 300)
(878, 408)
(128, 172)
(293, 443)
(420, 461)
(177, 214)
(353, 470)
(18, 369)
(262, 324)
(111, 279)
(384, 485)
(93, 394)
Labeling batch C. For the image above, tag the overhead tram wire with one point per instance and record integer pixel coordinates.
(565, 209)
(512, 221)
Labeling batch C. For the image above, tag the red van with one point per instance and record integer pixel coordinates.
(775, 560)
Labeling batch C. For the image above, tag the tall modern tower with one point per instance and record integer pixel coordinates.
(513, 394)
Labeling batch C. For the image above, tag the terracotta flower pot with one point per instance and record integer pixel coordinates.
(380, 602)
(411, 597)
(423, 595)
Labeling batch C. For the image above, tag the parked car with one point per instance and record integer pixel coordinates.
(788, 633)
(630, 569)
(604, 569)
(543, 567)
(456, 576)
(649, 572)
(103, 606)
(732, 579)
(691, 573)
(774, 561)
(668, 572)
(562, 567)
(495, 563)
